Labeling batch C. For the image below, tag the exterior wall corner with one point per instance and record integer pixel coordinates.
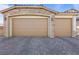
(50, 26)
(74, 33)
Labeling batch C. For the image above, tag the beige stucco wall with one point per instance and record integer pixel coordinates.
(34, 12)
(66, 14)
(77, 26)
(27, 12)
(41, 12)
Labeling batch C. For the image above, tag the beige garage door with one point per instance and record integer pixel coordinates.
(30, 27)
(63, 27)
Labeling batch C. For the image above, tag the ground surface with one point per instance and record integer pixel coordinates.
(39, 46)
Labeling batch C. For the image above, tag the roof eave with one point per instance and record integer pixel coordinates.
(13, 7)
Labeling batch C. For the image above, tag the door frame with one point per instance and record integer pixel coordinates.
(74, 32)
(50, 24)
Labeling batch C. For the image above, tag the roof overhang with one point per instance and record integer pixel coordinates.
(33, 7)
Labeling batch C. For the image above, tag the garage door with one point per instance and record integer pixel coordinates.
(30, 27)
(63, 27)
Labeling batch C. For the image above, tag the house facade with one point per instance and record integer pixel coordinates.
(39, 21)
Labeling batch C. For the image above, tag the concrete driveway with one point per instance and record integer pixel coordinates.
(39, 46)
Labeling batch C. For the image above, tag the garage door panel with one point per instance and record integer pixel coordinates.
(30, 26)
(63, 27)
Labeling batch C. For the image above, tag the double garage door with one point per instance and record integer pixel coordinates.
(30, 27)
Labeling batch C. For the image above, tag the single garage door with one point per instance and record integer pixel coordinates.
(30, 27)
(63, 27)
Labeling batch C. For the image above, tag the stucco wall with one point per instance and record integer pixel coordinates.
(34, 11)
(77, 27)
(1, 30)
(24, 12)
(27, 11)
